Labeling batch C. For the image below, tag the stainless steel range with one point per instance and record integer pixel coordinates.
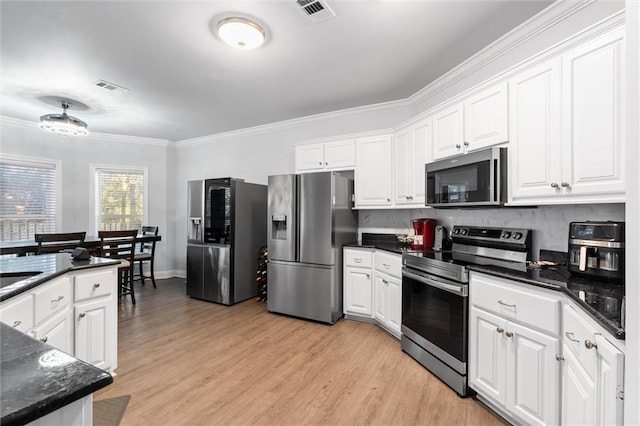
(435, 296)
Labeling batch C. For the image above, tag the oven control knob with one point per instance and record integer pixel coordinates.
(506, 234)
(463, 231)
(456, 231)
(517, 235)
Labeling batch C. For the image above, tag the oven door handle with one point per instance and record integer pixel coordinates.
(461, 290)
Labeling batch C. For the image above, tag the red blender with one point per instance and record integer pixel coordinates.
(424, 233)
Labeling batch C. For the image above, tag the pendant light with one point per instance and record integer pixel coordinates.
(241, 33)
(63, 124)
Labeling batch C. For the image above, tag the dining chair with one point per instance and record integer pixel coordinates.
(55, 243)
(121, 245)
(145, 253)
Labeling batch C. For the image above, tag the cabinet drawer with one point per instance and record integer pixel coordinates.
(512, 301)
(575, 331)
(94, 284)
(358, 258)
(18, 313)
(389, 263)
(52, 298)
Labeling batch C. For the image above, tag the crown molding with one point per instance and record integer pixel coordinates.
(107, 137)
(547, 18)
(294, 123)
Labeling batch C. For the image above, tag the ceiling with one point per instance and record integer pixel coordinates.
(184, 82)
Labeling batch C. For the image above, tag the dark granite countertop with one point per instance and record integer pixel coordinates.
(36, 379)
(46, 267)
(601, 300)
(387, 242)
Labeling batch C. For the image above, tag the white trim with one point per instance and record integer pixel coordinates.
(108, 137)
(57, 173)
(92, 191)
(346, 137)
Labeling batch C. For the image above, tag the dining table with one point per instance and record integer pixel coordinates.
(91, 243)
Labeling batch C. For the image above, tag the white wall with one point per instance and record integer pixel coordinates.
(76, 154)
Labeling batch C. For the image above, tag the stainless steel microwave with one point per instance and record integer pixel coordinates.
(470, 180)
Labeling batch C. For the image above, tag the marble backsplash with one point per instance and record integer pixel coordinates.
(549, 223)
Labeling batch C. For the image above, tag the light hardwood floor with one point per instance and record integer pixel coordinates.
(189, 362)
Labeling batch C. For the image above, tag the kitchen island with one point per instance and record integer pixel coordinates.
(58, 320)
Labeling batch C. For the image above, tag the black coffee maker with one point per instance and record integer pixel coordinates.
(596, 250)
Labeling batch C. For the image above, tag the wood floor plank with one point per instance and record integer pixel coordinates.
(190, 362)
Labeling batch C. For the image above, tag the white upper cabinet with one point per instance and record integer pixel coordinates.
(535, 129)
(485, 118)
(334, 155)
(373, 175)
(593, 148)
(412, 150)
(566, 142)
(479, 121)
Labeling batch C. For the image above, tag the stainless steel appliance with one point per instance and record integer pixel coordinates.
(475, 179)
(226, 228)
(440, 241)
(596, 249)
(435, 290)
(310, 218)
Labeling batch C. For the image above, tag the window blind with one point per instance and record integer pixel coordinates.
(28, 199)
(119, 200)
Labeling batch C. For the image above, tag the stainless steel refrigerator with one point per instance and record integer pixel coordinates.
(226, 228)
(310, 218)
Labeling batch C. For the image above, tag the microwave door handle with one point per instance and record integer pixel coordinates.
(583, 258)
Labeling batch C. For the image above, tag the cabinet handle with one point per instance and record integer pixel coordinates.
(466, 143)
(386, 265)
(554, 184)
(506, 304)
(357, 260)
(565, 185)
(409, 197)
(16, 323)
(388, 200)
(368, 276)
(320, 163)
(385, 282)
(82, 314)
(499, 330)
(44, 339)
(590, 345)
(458, 146)
(58, 299)
(509, 334)
(559, 357)
(96, 285)
(570, 337)
(326, 163)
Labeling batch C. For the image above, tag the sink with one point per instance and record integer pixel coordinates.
(8, 278)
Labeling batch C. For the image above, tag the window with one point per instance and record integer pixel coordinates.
(28, 198)
(120, 197)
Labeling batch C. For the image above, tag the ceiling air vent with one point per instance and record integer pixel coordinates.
(112, 87)
(316, 10)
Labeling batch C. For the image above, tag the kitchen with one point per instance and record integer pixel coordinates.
(272, 149)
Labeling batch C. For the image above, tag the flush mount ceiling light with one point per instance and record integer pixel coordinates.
(63, 124)
(241, 33)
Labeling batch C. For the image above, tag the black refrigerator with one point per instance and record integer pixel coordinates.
(226, 220)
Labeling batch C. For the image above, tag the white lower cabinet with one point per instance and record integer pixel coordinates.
(78, 413)
(75, 313)
(592, 373)
(373, 287)
(512, 362)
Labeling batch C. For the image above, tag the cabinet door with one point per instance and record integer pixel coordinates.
(448, 132)
(394, 304)
(95, 335)
(578, 392)
(593, 137)
(373, 171)
(486, 117)
(610, 382)
(533, 388)
(380, 298)
(421, 155)
(340, 154)
(57, 331)
(358, 291)
(402, 148)
(309, 157)
(535, 133)
(18, 313)
(487, 355)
